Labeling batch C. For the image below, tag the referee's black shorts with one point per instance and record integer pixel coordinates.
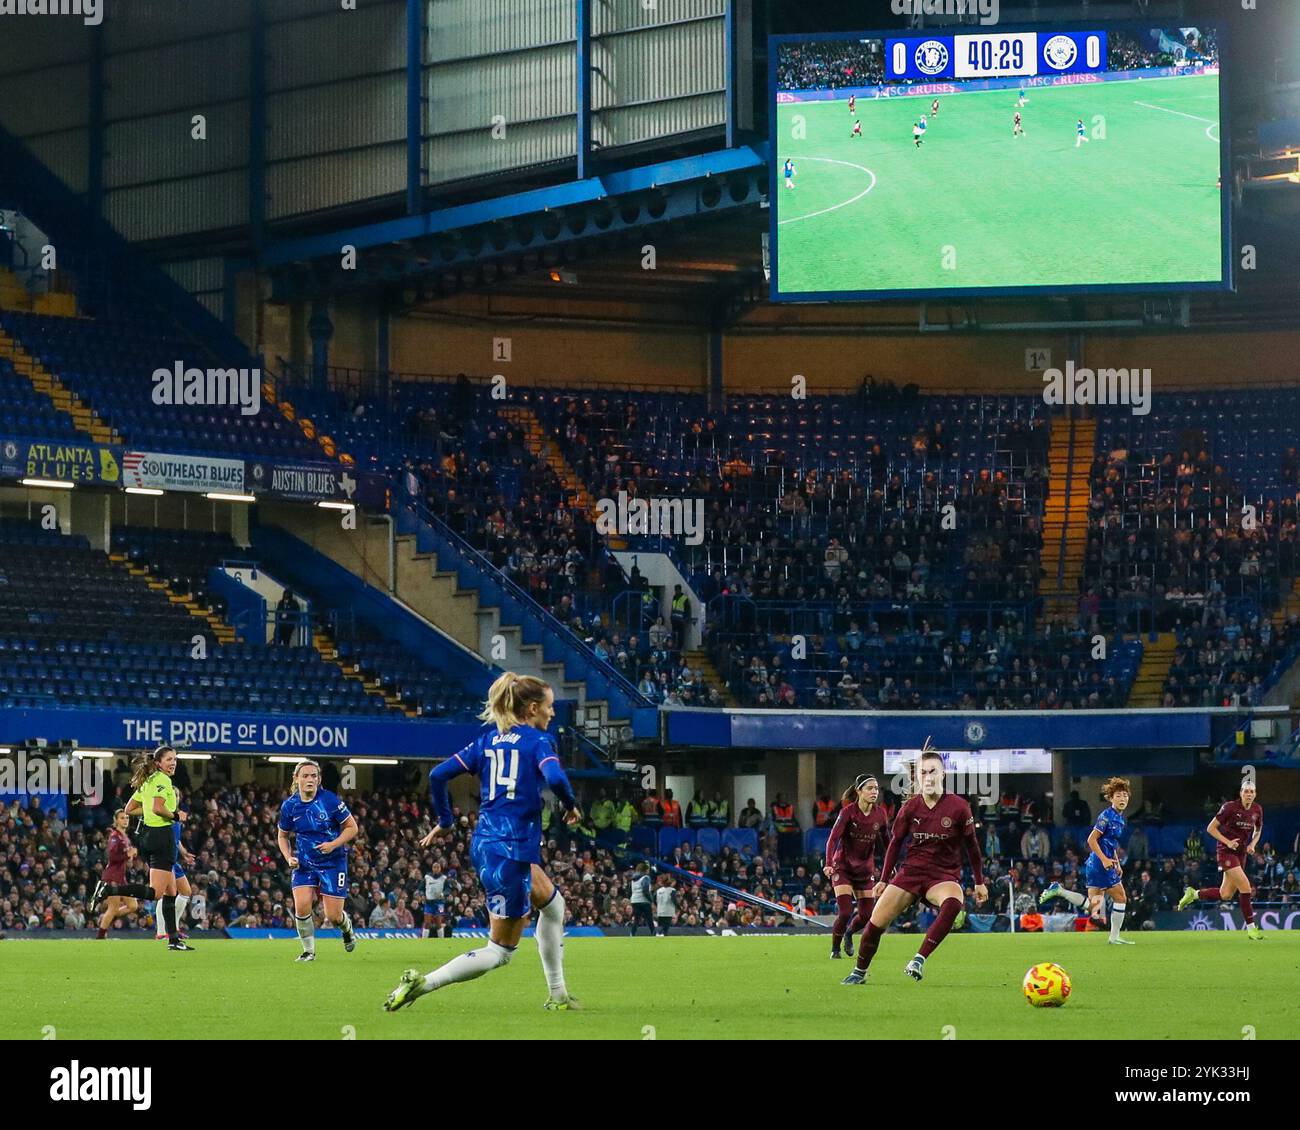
(158, 847)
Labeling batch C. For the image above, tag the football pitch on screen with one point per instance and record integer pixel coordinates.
(977, 207)
(1205, 985)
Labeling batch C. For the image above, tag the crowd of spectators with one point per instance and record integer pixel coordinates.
(49, 864)
(925, 668)
(829, 65)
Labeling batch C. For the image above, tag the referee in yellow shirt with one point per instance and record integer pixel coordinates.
(151, 779)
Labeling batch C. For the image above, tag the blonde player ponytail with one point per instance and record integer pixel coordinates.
(509, 698)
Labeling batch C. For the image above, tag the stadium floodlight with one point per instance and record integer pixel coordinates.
(98, 754)
(54, 484)
(5, 749)
(153, 492)
(194, 757)
(337, 505)
(219, 496)
(373, 761)
(280, 760)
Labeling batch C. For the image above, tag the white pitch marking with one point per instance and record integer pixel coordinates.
(844, 204)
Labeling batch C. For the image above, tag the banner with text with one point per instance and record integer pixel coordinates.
(182, 472)
(61, 460)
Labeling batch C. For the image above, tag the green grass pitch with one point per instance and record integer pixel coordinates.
(1206, 985)
(1140, 206)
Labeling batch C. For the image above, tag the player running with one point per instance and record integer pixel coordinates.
(120, 853)
(515, 759)
(155, 796)
(935, 825)
(857, 130)
(789, 173)
(1017, 128)
(918, 132)
(1021, 100)
(1103, 872)
(322, 827)
(934, 108)
(1237, 823)
(1079, 135)
(850, 862)
(853, 103)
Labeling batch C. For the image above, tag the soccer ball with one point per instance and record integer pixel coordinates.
(1047, 985)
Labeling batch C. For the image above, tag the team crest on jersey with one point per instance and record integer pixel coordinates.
(946, 821)
(931, 57)
(1060, 52)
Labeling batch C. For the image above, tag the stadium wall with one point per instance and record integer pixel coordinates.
(764, 354)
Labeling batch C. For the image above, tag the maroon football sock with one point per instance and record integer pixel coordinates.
(862, 916)
(845, 905)
(867, 947)
(1209, 894)
(940, 926)
(1247, 911)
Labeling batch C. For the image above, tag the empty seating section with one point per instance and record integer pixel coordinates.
(77, 630)
(26, 412)
(110, 365)
(420, 687)
(183, 558)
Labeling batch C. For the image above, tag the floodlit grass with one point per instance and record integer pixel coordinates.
(1208, 985)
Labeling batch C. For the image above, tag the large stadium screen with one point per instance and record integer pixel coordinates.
(997, 162)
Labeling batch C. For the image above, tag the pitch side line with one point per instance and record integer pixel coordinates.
(844, 204)
(1195, 117)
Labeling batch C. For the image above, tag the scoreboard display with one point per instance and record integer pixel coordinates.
(1021, 160)
(1009, 54)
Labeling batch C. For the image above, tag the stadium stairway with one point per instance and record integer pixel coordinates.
(47, 384)
(1149, 684)
(700, 661)
(327, 648)
(222, 632)
(1065, 521)
(545, 448)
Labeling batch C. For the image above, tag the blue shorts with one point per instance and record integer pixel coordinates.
(331, 881)
(438, 909)
(508, 883)
(1095, 875)
(178, 870)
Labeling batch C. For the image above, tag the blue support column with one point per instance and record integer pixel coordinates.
(415, 30)
(583, 91)
(382, 349)
(95, 142)
(257, 130)
(321, 329)
(729, 66)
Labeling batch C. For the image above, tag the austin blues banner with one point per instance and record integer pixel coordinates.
(315, 482)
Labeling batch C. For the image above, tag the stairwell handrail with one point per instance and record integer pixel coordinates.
(550, 622)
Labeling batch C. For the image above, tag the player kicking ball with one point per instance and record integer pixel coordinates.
(936, 826)
(1079, 136)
